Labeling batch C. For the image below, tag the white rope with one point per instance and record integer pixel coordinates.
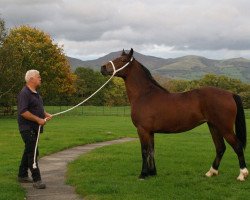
(59, 113)
(37, 139)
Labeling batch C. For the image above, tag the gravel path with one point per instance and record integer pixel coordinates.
(53, 169)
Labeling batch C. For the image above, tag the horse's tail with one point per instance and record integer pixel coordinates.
(240, 122)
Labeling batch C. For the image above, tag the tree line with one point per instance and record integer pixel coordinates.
(23, 48)
(234, 85)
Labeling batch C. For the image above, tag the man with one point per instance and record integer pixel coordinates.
(31, 114)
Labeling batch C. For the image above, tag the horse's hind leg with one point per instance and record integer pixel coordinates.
(220, 149)
(147, 149)
(238, 148)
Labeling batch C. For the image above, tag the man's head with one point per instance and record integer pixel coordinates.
(33, 78)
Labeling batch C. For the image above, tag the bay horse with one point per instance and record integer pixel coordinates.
(156, 110)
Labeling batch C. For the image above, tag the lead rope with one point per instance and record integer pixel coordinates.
(59, 113)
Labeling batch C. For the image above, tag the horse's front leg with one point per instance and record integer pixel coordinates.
(147, 149)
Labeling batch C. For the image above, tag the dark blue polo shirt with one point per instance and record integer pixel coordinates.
(32, 102)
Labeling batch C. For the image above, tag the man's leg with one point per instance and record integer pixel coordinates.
(30, 142)
(23, 168)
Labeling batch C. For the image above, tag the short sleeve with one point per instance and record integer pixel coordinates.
(22, 102)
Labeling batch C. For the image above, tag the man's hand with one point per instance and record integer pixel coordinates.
(41, 121)
(48, 116)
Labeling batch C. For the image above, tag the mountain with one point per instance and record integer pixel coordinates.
(149, 61)
(186, 67)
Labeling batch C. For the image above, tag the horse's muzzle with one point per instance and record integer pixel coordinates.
(104, 71)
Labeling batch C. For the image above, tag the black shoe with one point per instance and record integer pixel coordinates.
(39, 185)
(24, 180)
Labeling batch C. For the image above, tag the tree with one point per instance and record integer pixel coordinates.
(30, 48)
(3, 31)
(116, 94)
(245, 96)
(224, 82)
(88, 81)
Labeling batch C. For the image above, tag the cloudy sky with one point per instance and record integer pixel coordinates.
(89, 29)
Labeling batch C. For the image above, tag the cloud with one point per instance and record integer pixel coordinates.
(161, 28)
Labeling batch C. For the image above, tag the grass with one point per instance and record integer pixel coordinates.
(60, 133)
(111, 172)
(91, 110)
(182, 160)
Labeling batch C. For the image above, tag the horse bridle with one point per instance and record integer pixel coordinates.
(115, 71)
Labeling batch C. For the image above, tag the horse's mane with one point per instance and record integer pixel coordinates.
(152, 78)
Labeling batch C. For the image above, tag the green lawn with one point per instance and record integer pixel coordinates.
(182, 160)
(91, 110)
(60, 133)
(111, 172)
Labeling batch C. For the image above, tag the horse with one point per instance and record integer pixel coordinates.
(155, 110)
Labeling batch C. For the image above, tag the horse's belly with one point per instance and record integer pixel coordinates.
(178, 128)
(169, 118)
(177, 124)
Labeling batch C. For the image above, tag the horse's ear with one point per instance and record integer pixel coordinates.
(123, 52)
(131, 52)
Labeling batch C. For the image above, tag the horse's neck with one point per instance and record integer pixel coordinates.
(137, 83)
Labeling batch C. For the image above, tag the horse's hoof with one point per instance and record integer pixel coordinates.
(243, 174)
(241, 178)
(142, 176)
(212, 172)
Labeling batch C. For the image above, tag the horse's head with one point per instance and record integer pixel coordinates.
(120, 65)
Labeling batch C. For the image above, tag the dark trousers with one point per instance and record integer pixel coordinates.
(29, 138)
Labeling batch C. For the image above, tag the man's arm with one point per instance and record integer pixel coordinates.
(29, 116)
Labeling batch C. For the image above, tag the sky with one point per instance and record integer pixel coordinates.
(88, 29)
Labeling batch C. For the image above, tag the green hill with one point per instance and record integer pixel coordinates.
(186, 67)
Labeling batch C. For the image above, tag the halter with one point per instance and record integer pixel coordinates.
(115, 71)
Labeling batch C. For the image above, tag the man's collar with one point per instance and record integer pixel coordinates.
(33, 91)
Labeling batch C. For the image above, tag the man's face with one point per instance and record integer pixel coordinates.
(36, 80)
